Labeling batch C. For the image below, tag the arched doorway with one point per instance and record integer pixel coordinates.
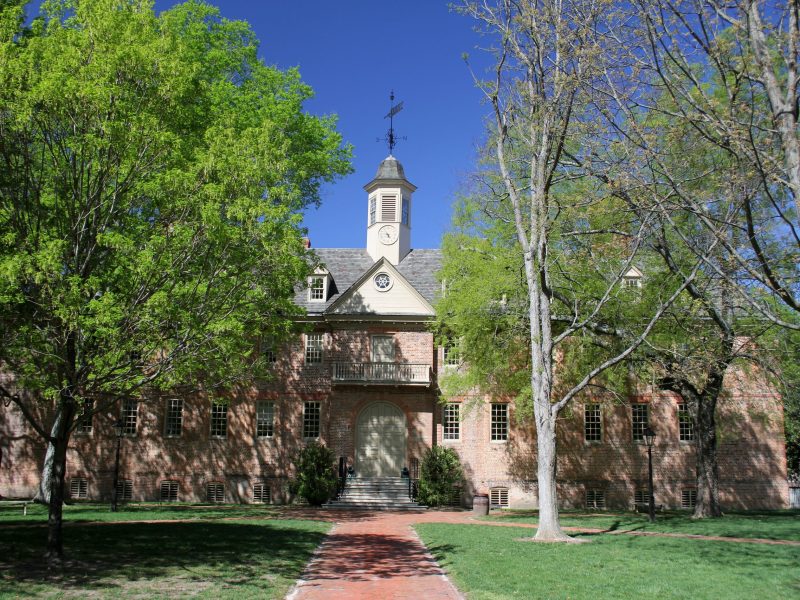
(380, 441)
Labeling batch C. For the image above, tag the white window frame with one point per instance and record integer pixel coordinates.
(498, 422)
(686, 429)
(174, 416)
(375, 342)
(312, 420)
(405, 212)
(451, 354)
(85, 425)
(317, 288)
(373, 210)
(218, 420)
(314, 348)
(592, 423)
(130, 417)
(451, 422)
(638, 427)
(265, 419)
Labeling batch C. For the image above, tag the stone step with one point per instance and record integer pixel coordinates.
(373, 506)
(375, 493)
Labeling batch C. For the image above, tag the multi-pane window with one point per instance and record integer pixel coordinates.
(640, 420)
(632, 282)
(124, 490)
(267, 350)
(265, 419)
(498, 497)
(688, 498)
(592, 423)
(499, 422)
(595, 499)
(174, 425)
(452, 421)
(641, 497)
(130, 415)
(316, 288)
(311, 419)
(313, 348)
(219, 419)
(86, 418)
(685, 423)
(78, 488)
(452, 355)
(261, 493)
(169, 491)
(373, 210)
(404, 217)
(215, 491)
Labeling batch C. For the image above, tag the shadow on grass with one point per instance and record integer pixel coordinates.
(112, 554)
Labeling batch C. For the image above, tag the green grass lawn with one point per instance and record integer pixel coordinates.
(774, 525)
(492, 563)
(204, 558)
(12, 515)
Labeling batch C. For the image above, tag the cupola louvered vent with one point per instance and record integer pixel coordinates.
(389, 208)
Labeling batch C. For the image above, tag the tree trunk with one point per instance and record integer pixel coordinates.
(707, 504)
(58, 468)
(549, 529)
(45, 482)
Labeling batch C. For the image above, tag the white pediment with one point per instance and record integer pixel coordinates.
(382, 290)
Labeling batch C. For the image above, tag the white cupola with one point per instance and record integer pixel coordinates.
(389, 212)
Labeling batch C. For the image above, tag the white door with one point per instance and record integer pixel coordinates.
(380, 441)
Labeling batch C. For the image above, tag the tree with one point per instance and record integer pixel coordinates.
(548, 124)
(153, 173)
(316, 475)
(440, 471)
(730, 71)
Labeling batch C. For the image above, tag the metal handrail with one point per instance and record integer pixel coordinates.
(381, 372)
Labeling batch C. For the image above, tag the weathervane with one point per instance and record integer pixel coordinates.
(391, 138)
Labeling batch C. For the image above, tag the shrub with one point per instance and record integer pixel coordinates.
(439, 472)
(316, 475)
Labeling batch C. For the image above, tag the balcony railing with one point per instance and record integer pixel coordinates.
(382, 373)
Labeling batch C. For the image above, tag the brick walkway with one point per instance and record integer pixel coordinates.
(377, 557)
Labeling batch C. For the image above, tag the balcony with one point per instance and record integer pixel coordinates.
(381, 373)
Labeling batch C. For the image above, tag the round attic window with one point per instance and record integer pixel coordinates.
(382, 282)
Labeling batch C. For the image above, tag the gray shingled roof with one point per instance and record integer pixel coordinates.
(347, 265)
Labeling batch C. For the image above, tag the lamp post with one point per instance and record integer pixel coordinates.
(118, 428)
(649, 438)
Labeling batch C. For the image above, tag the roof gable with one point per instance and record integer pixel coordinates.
(364, 297)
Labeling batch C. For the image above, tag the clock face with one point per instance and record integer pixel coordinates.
(387, 234)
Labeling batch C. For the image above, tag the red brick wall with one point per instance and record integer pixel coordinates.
(751, 449)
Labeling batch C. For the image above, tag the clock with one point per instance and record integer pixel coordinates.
(387, 234)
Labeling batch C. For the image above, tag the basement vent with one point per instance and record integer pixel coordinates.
(78, 488)
(215, 492)
(595, 499)
(688, 498)
(124, 489)
(261, 493)
(169, 491)
(641, 497)
(389, 208)
(498, 497)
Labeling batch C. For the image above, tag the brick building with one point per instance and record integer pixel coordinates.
(363, 379)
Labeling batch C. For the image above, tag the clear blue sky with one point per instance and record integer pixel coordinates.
(352, 53)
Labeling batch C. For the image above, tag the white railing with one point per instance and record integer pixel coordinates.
(391, 373)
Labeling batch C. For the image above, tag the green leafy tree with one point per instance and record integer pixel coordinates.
(316, 473)
(440, 471)
(153, 173)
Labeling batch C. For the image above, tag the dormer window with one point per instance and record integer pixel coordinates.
(632, 279)
(317, 288)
